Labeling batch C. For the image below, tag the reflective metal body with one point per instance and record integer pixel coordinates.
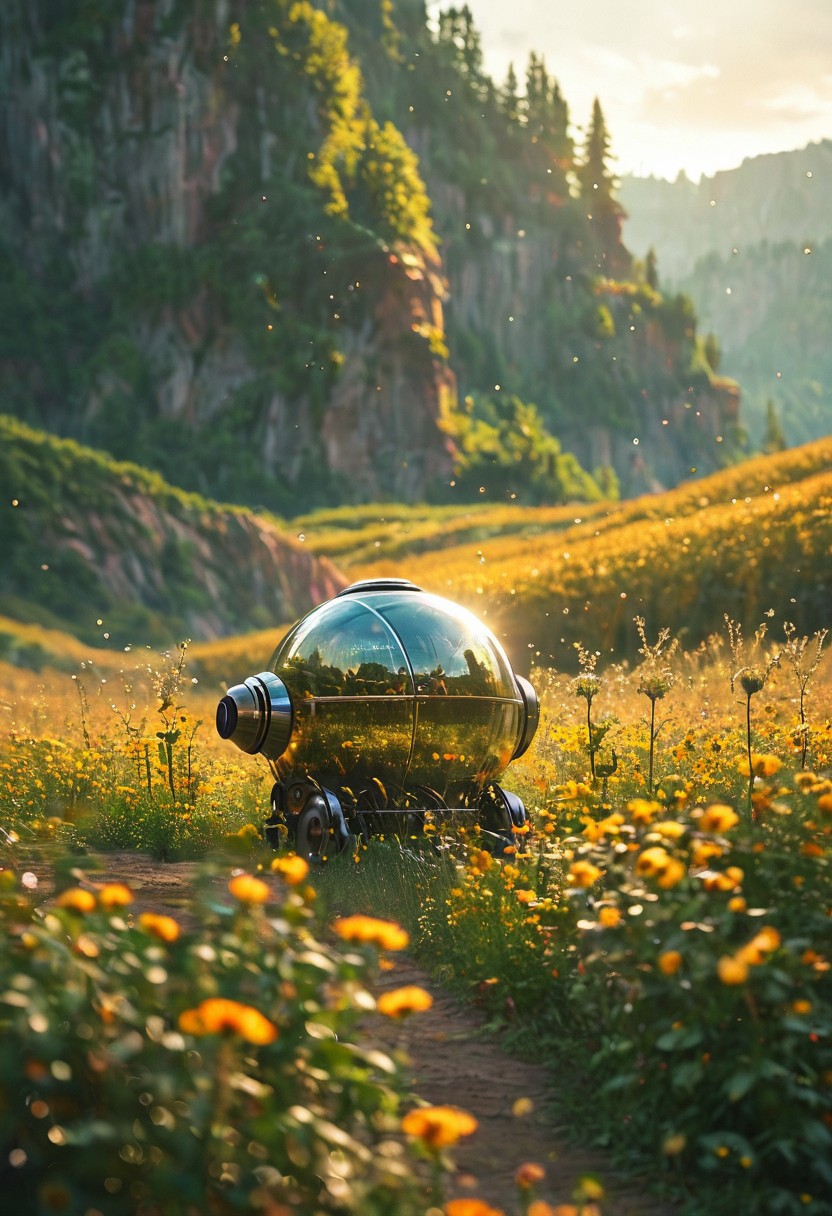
(402, 688)
(385, 698)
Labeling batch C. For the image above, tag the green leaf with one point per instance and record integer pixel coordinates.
(738, 1085)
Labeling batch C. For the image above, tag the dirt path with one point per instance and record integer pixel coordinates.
(451, 1060)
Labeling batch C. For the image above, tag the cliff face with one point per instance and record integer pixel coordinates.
(161, 182)
(84, 538)
(216, 259)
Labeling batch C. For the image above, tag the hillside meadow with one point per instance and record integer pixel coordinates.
(658, 937)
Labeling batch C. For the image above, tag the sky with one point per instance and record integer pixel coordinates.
(683, 86)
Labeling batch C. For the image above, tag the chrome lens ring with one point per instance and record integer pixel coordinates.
(257, 715)
(531, 715)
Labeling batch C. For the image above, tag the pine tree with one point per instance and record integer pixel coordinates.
(651, 271)
(509, 99)
(547, 121)
(597, 185)
(774, 440)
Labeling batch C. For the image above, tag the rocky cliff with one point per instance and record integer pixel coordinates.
(155, 196)
(218, 255)
(87, 540)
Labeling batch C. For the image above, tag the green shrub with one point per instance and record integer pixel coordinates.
(211, 1066)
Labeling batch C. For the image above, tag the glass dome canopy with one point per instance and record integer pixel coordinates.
(391, 684)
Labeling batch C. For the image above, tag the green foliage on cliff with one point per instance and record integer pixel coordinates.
(503, 445)
(192, 257)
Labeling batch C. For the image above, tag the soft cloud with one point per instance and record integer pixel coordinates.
(683, 84)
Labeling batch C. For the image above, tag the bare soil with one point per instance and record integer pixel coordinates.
(451, 1059)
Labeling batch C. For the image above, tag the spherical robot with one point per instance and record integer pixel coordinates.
(383, 709)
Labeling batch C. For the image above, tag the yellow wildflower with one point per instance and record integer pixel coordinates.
(766, 941)
(702, 851)
(292, 869)
(718, 818)
(583, 873)
(114, 895)
(713, 880)
(670, 829)
(609, 917)
(652, 861)
(642, 811)
(672, 873)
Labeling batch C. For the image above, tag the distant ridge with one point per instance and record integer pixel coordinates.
(752, 248)
(781, 196)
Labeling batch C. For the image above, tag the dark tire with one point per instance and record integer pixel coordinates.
(495, 822)
(314, 839)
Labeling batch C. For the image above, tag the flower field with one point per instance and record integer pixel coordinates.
(659, 936)
(661, 932)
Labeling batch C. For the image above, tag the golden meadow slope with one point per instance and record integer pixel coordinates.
(747, 541)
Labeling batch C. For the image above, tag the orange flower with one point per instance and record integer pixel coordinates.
(163, 927)
(293, 869)
(480, 861)
(248, 889)
(367, 930)
(732, 970)
(217, 1015)
(470, 1207)
(669, 962)
(583, 874)
(766, 941)
(399, 1002)
(718, 818)
(114, 895)
(529, 1174)
(712, 880)
(609, 917)
(438, 1126)
(76, 899)
(524, 896)
(825, 804)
